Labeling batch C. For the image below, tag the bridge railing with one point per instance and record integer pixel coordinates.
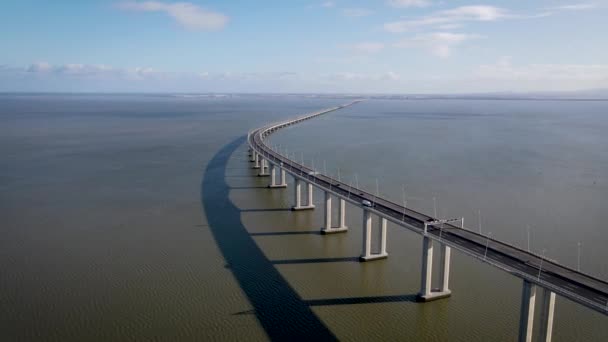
(316, 178)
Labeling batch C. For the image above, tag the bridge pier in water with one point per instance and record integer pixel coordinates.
(256, 160)
(427, 293)
(328, 228)
(273, 173)
(263, 168)
(526, 318)
(252, 155)
(298, 197)
(367, 254)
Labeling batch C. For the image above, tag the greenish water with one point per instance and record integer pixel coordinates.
(139, 218)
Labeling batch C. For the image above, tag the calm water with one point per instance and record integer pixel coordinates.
(137, 217)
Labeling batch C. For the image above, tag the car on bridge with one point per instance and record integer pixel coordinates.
(366, 203)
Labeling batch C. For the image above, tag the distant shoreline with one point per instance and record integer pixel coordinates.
(495, 97)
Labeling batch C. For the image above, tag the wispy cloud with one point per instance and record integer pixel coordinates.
(356, 12)
(454, 16)
(101, 71)
(354, 76)
(505, 70)
(328, 4)
(439, 44)
(186, 14)
(408, 3)
(94, 71)
(576, 7)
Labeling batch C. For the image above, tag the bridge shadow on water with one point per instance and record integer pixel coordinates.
(277, 306)
(283, 314)
(310, 232)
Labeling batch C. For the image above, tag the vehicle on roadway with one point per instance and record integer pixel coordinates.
(366, 203)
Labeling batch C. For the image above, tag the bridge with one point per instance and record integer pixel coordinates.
(541, 277)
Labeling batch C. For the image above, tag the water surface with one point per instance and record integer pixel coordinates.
(138, 217)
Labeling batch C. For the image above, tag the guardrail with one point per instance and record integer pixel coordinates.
(256, 139)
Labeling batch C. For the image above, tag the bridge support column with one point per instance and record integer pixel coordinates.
(264, 168)
(342, 215)
(526, 318)
(283, 179)
(298, 197)
(547, 309)
(310, 202)
(444, 270)
(251, 154)
(367, 254)
(427, 293)
(328, 228)
(256, 160)
(273, 180)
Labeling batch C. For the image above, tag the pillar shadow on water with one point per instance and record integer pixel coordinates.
(280, 310)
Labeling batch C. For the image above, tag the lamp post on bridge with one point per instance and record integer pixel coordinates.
(485, 255)
(540, 268)
(578, 265)
(479, 219)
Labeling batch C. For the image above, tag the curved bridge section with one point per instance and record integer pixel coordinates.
(540, 275)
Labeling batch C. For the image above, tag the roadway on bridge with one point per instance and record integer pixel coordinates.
(577, 286)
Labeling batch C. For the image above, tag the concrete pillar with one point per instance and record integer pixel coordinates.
(273, 180)
(526, 318)
(367, 254)
(383, 236)
(367, 235)
(256, 160)
(327, 228)
(342, 215)
(547, 308)
(444, 268)
(298, 197)
(327, 210)
(427, 267)
(252, 155)
(263, 168)
(427, 293)
(310, 201)
(298, 194)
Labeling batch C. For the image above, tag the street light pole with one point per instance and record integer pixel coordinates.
(485, 255)
(528, 229)
(540, 268)
(404, 203)
(578, 268)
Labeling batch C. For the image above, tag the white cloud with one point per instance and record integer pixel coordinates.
(368, 47)
(439, 44)
(39, 67)
(105, 72)
(450, 17)
(409, 3)
(328, 4)
(576, 7)
(592, 74)
(353, 76)
(186, 14)
(356, 12)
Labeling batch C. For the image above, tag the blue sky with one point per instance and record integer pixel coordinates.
(370, 46)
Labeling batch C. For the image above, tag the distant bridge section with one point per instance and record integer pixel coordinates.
(537, 272)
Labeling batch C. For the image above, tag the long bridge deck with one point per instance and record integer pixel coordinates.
(563, 280)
